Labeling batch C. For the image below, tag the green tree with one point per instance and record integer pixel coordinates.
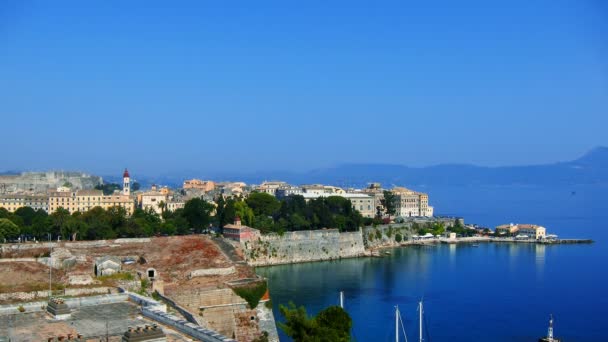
(297, 324)
(263, 204)
(58, 220)
(8, 230)
(242, 210)
(389, 202)
(331, 324)
(27, 215)
(334, 323)
(198, 213)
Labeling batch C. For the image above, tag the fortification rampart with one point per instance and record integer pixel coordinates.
(303, 246)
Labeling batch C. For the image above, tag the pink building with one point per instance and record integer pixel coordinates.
(238, 232)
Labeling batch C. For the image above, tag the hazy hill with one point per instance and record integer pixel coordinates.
(589, 169)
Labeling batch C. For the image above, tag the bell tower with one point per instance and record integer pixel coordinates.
(126, 183)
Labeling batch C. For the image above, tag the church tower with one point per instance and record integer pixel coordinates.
(126, 183)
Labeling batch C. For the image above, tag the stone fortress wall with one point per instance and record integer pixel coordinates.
(303, 246)
(40, 182)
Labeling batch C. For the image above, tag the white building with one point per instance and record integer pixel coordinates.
(411, 203)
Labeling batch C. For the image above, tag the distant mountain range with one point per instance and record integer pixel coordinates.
(592, 168)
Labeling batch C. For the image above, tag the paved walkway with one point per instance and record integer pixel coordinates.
(228, 250)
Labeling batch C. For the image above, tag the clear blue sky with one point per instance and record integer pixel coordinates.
(256, 85)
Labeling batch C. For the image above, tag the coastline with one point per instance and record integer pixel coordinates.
(373, 252)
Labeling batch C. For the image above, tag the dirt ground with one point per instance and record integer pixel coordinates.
(25, 276)
(173, 258)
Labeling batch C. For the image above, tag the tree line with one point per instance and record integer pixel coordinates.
(268, 214)
(259, 210)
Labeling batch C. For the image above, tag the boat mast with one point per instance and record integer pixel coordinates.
(396, 324)
(420, 321)
(342, 299)
(550, 330)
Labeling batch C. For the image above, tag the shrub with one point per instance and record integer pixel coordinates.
(252, 293)
(21, 308)
(398, 237)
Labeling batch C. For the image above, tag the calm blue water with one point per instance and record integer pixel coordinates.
(496, 292)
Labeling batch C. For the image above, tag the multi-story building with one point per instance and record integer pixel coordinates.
(271, 187)
(152, 200)
(62, 199)
(12, 202)
(287, 191)
(532, 230)
(173, 205)
(507, 229)
(198, 184)
(411, 203)
(84, 200)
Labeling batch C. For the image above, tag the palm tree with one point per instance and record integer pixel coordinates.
(162, 205)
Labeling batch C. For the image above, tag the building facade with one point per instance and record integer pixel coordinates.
(238, 232)
(198, 184)
(85, 200)
(532, 231)
(411, 203)
(13, 202)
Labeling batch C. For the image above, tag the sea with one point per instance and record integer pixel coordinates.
(493, 292)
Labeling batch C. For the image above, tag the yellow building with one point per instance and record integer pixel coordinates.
(532, 231)
(85, 200)
(14, 202)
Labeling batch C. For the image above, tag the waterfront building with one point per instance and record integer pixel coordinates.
(12, 202)
(506, 229)
(198, 184)
(532, 231)
(410, 203)
(238, 232)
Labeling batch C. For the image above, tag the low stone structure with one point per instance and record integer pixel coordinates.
(107, 265)
(58, 309)
(148, 333)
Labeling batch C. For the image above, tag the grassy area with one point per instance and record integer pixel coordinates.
(116, 276)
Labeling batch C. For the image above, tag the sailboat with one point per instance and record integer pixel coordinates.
(549, 337)
(399, 322)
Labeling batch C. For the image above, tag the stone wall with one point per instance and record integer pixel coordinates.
(386, 235)
(303, 246)
(37, 295)
(71, 302)
(212, 272)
